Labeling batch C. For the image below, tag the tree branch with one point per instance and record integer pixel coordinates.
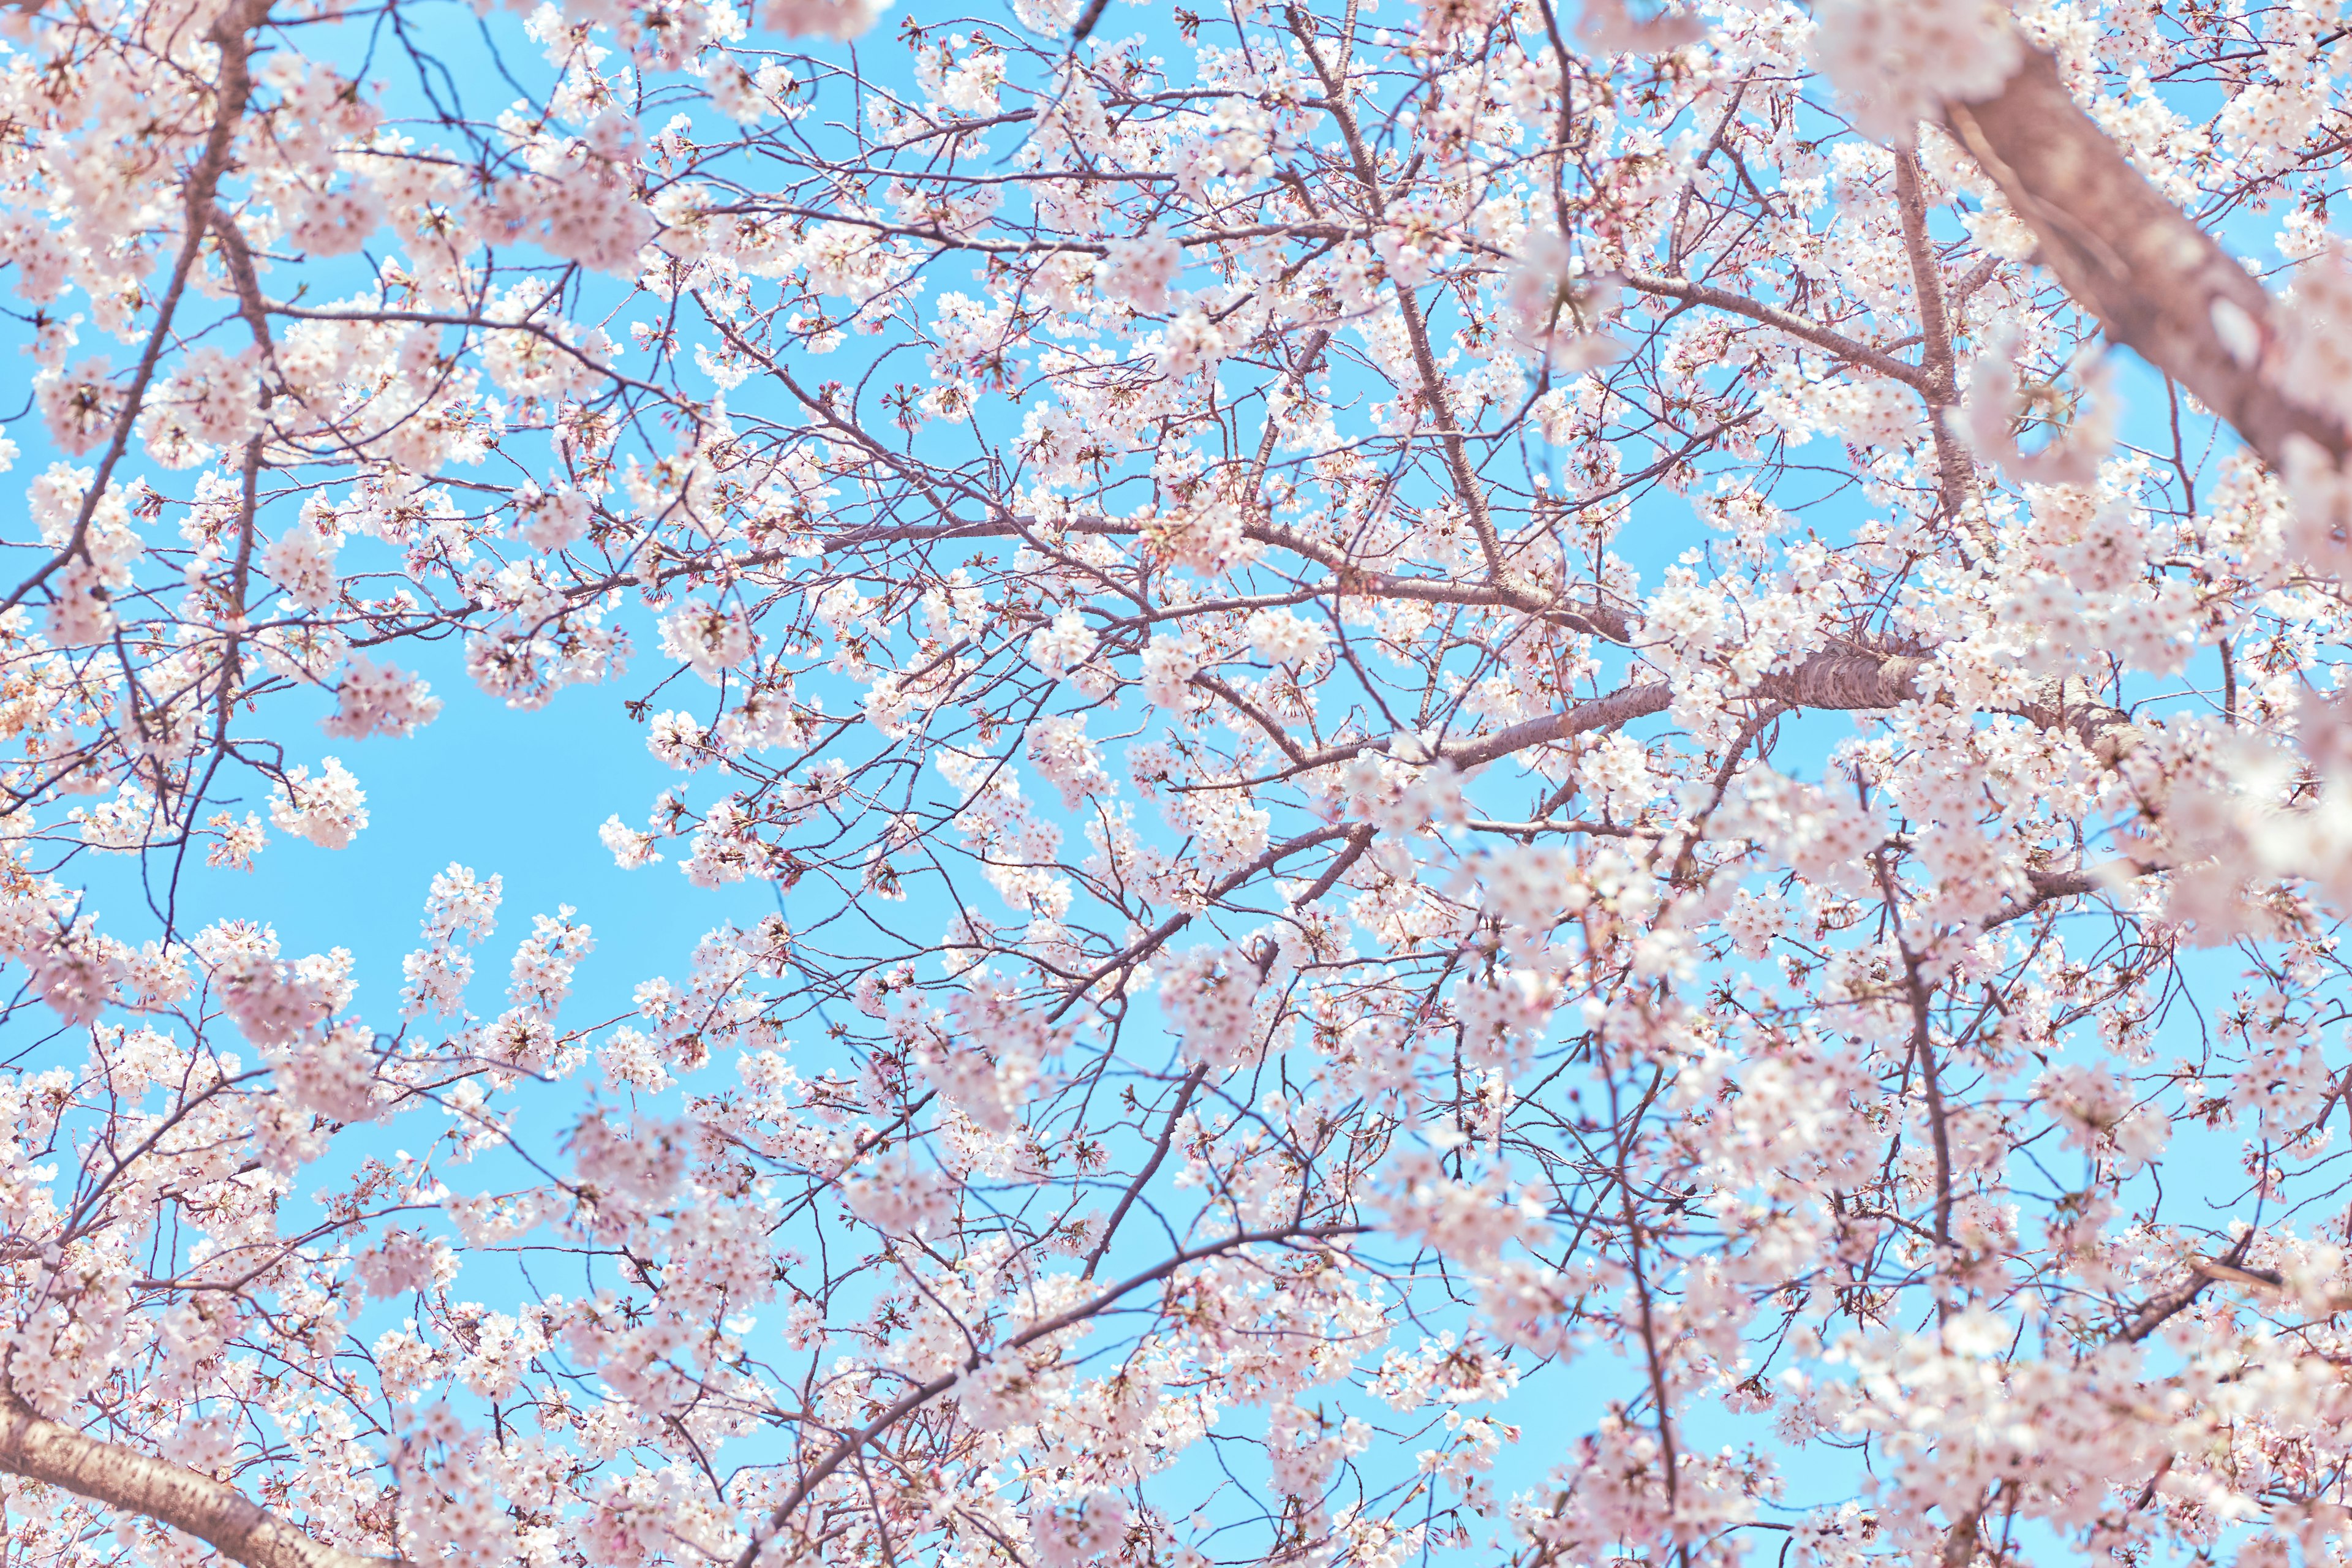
(1939, 384)
(1159, 1153)
(2158, 283)
(780, 1515)
(37, 1449)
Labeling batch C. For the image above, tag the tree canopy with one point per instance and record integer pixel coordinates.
(1541, 785)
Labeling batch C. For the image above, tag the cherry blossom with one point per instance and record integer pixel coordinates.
(1540, 783)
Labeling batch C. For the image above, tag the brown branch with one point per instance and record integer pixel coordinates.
(1159, 1153)
(230, 102)
(1256, 715)
(37, 1449)
(1860, 680)
(1595, 619)
(914, 1398)
(1216, 894)
(1467, 488)
(2053, 886)
(1927, 280)
(1620, 707)
(2158, 283)
(1303, 368)
(1960, 1541)
(2202, 1272)
(1847, 681)
(1796, 326)
(1836, 681)
(1940, 381)
(1358, 842)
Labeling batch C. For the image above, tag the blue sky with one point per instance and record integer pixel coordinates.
(520, 794)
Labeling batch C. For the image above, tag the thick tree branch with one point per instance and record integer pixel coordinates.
(1835, 681)
(2158, 283)
(37, 1449)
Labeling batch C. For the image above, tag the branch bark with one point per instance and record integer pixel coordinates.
(1860, 680)
(1837, 681)
(37, 1449)
(2158, 283)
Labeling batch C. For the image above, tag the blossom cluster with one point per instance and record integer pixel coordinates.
(1443, 712)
